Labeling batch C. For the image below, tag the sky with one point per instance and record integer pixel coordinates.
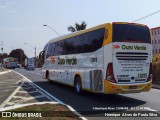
(21, 21)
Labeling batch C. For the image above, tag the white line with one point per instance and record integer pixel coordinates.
(151, 109)
(10, 97)
(10, 103)
(22, 92)
(40, 103)
(20, 106)
(83, 118)
(54, 98)
(33, 92)
(75, 112)
(5, 72)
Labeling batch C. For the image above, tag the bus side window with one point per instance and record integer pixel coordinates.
(71, 45)
(96, 39)
(49, 50)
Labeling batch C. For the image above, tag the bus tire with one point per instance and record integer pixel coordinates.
(78, 85)
(47, 76)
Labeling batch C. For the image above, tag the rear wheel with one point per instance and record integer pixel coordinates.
(78, 85)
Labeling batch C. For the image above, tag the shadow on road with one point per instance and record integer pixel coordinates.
(86, 103)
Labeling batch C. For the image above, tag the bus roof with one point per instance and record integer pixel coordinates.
(77, 33)
(88, 30)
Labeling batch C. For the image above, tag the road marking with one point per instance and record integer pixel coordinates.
(24, 105)
(40, 103)
(22, 92)
(33, 91)
(54, 98)
(10, 97)
(5, 72)
(151, 109)
(10, 103)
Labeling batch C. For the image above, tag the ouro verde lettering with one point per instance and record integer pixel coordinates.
(139, 47)
(135, 47)
(127, 47)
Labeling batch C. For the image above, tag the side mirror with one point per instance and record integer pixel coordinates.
(42, 56)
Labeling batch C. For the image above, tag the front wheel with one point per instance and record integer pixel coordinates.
(78, 85)
(47, 76)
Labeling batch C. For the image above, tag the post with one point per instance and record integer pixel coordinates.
(2, 52)
(53, 30)
(35, 59)
(21, 57)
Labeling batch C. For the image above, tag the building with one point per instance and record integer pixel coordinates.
(155, 40)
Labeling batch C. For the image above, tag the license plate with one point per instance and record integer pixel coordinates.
(132, 87)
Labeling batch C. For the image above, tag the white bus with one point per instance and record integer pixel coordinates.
(110, 58)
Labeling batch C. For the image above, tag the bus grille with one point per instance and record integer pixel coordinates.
(131, 56)
(128, 80)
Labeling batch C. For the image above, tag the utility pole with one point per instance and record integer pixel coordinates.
(53, 30)
(35, 58)
(2, 51)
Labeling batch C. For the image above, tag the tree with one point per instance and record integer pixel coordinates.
(18, 53)
(156, 68)
(5, 55)
(77, 27)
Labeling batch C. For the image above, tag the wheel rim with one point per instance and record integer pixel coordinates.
(78, 87)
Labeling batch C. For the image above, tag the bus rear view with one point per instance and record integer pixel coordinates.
(130, 69)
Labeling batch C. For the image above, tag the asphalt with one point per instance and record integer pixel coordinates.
(8, 83)
(86, 103)
(16, 90)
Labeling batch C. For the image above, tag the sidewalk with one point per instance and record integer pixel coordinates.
(156, 86)
(2, 69)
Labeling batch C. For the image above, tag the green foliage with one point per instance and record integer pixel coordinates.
(156, 68)
(77, 27)
(18, 53)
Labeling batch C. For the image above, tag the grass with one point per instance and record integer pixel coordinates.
(47, 111)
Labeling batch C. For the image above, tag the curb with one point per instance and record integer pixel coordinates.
(156, 87)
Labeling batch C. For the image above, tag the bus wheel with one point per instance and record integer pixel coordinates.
(47, 76)
(78, 85)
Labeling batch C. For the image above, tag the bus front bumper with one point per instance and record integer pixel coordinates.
(113, 88)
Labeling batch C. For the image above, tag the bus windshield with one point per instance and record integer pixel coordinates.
(131, 33)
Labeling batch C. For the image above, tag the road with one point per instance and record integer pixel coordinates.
(86, 103)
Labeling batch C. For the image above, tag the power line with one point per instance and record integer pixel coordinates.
(146, 16)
